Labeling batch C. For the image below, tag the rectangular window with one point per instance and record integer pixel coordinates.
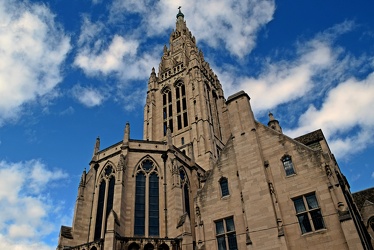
(178, 106)
(288, 165)
(153, 205)
(179, 120)
(185, 120)
(308, 213)
(184, 104)
(225, 234)
(170, 111)
(140, 205)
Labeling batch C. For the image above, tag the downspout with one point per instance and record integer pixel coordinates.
(164, 157)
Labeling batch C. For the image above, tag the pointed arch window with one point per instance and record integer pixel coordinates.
(288, 165)
(147, 200)
(99, 211)
(224, 185)
(186, 191)
(180, 96)
(106, 196)
(167, 110)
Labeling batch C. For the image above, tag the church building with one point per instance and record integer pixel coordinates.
(207, 175)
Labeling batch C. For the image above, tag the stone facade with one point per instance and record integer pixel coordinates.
(207, 175)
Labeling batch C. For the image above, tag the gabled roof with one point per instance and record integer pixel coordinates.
(361, 196)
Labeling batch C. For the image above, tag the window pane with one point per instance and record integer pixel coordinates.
(139, 204)
(179, 121)
(224, 187)
(317, 219)
(178, 106)
(221, 243)
(153, 205)
(170, 110)
(219, 227)
(186, 200)
(169, 96)
(109, 202)
(312, 201)
(299, 205)
(177, 93)
(147, 165)
(230, 225)
(185, 120)
(183, 90)
(231, 238)
(184, 104)
(304, 223)
(99, 211)
(171, 125)
(288, 167)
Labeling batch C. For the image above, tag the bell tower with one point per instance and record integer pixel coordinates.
(186, 97)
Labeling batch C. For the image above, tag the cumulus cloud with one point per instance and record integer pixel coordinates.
(32, 50)
(285, 81)
(344, 116)
(27, 212)
(120, 57)
(88, 96)
(318, 80)
(232, 24)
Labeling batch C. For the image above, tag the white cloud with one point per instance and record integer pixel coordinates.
(107, 61)
(232, 24)
(27, 212)
(320, 82)
(120, 58)
(32, 50)
(344, 116)
(88, 96)
(284, 81)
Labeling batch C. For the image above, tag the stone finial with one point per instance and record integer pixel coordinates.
(126, 136)
(97, 146)
(83, 179)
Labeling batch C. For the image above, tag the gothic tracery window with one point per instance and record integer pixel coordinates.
(186, 190)
(167, 110)
(180, 96)
(147, 200)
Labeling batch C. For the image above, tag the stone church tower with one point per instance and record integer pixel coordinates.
(207, 175)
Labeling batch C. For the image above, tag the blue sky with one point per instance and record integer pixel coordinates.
(74, 70)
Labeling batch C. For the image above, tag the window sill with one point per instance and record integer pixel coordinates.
(291, 175)
(225, 197)
(320, 231)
